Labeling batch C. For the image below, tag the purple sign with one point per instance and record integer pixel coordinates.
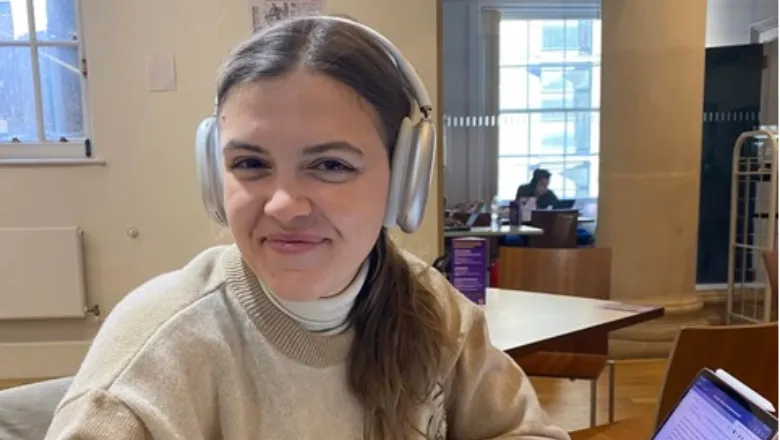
(469, 267)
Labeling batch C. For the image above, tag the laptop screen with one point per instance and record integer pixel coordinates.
(712, 411)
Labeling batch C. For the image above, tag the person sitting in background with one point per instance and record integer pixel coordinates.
(538, 189)
(313, 325)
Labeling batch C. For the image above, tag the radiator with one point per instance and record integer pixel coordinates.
(41, 273)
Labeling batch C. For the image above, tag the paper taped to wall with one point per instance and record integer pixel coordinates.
(265, 12)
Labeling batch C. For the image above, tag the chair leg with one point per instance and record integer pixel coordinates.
(611, 372)
(593, 388)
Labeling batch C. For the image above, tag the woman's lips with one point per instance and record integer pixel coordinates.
(292, 244)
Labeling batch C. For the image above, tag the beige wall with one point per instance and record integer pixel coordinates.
(146, 140)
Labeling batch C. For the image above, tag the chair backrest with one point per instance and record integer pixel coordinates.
(559, 226)
(584, 272)
(748, 352)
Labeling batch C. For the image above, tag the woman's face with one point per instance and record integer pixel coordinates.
(306, 180)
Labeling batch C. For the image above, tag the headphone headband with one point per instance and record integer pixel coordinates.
(413, 155)
(420, 92)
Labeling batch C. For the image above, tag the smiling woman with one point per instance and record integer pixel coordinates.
(313, 325)
(320, 183)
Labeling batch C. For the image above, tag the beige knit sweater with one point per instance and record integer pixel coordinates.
(201, 353)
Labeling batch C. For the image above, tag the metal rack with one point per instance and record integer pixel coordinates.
(753, 226)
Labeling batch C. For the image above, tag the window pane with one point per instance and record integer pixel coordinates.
(579, 86)
(55, 20)
(596, 90)
(513, 88)
(546, 87)
(17, 96)
(553, 37)
(13, 20)
(513, 135)
(595, 140)
(512, 172)
(581, 126)
(61, 92)
(513, 35)
(548, 136)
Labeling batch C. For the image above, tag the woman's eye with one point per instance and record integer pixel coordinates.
(249, 163)
(333, 166)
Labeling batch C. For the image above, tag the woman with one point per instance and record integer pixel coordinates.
(313, 325)
(538, 188)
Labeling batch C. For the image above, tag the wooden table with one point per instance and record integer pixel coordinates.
(489, 231)
(628, 429)
(523, 322)
(580, 219)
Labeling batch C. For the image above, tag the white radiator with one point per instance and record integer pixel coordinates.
(41, 273)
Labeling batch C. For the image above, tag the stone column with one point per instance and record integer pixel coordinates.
(651, 111)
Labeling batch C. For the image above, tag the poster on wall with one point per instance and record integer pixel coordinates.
(266, 12)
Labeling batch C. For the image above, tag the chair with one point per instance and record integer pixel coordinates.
(559, 226)
(26, 411)
(576, 272)
(693, 350)
(736, 353)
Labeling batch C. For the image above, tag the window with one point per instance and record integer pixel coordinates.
(558, 36)
(43, 110)
(549, 86)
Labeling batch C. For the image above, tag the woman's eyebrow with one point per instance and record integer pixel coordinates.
(235, 144)
(333, 146)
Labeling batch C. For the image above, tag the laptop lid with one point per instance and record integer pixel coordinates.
(712, 409)
(565, 204)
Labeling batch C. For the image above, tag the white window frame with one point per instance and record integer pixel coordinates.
(76, 150)
(575, 9)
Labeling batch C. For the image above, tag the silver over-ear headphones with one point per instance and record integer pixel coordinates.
(411, 167)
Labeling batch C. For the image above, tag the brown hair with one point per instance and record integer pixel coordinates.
(400, 331)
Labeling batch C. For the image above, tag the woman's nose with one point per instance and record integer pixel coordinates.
(285, 207)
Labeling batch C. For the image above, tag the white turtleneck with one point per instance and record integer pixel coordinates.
(325, 315)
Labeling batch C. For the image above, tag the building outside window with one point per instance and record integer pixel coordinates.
(550, 73)
(42, 79)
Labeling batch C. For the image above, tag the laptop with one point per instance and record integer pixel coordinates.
(718, 407)
(468, 225)
(564, 204)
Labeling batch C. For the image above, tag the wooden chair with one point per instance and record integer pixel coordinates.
(732, 348)
(747, 352)
(576, 272)
(559, 226)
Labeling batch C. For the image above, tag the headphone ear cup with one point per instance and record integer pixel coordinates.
(398, 173)
(208, 160)
(419, 175)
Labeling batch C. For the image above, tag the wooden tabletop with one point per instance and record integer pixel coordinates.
(523, 321)
(628, 429)
(489, 231)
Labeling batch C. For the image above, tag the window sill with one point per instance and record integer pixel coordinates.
(51, 162)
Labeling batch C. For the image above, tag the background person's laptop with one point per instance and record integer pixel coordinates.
(713, 409)
(468, 225)
(564, 204)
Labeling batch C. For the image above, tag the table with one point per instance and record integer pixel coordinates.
(490, 231)
(628, 429)
(580, 219)
(523, 322)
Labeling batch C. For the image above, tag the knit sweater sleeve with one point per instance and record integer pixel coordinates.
(491, 397)
(96, 415)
